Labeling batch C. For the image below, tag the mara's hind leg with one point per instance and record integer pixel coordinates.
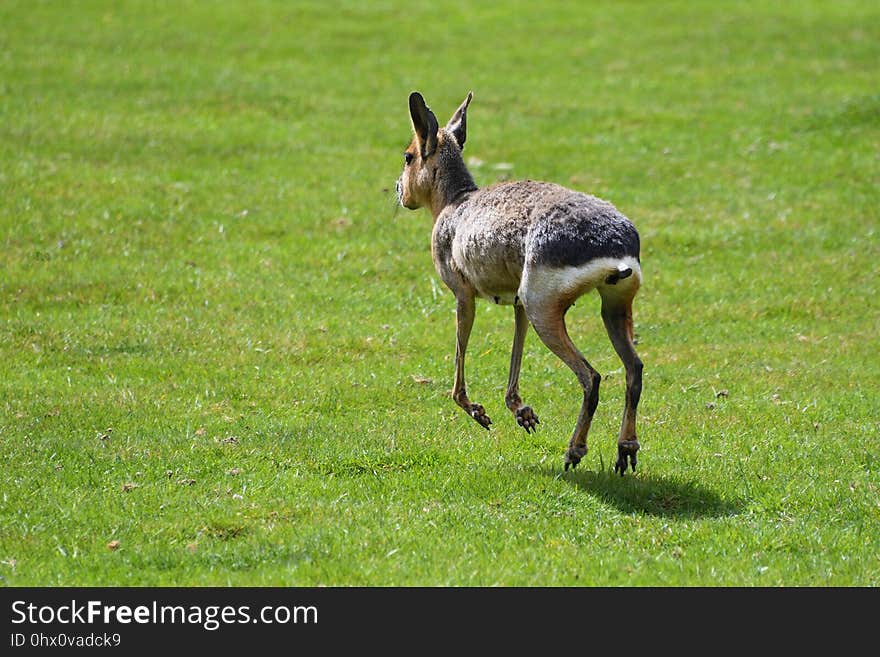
(524, 415)
(549, 322)
(617, 316)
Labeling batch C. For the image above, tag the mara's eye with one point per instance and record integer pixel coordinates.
(408, 157)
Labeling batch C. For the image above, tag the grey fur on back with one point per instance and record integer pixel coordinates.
(495, 232)
(550, 224)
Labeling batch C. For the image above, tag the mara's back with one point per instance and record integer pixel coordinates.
(541, 222)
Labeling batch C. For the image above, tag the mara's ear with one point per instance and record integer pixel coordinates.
(424, 123)
(458, 123)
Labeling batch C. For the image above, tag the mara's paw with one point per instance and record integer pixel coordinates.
(527, 419)
(626, 451)
(479, 414)
(574, 455)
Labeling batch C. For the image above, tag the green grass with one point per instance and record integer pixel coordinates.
(201, 253)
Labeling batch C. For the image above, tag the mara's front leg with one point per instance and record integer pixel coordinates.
(464, 322)
(524, 415)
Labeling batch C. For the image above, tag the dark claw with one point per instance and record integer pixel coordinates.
(479, 414)
(574, 455)
(626, 451)
(527, 419)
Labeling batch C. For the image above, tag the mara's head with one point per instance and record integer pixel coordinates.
(432, 163)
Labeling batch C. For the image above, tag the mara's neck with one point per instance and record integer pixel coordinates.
(451, 190)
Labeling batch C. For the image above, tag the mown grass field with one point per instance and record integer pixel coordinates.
(226, 358)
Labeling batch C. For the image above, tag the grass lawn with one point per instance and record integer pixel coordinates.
(226, 357)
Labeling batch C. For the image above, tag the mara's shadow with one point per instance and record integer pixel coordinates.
(651, 494)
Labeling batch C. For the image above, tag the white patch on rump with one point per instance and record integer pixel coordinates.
(541, 283)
